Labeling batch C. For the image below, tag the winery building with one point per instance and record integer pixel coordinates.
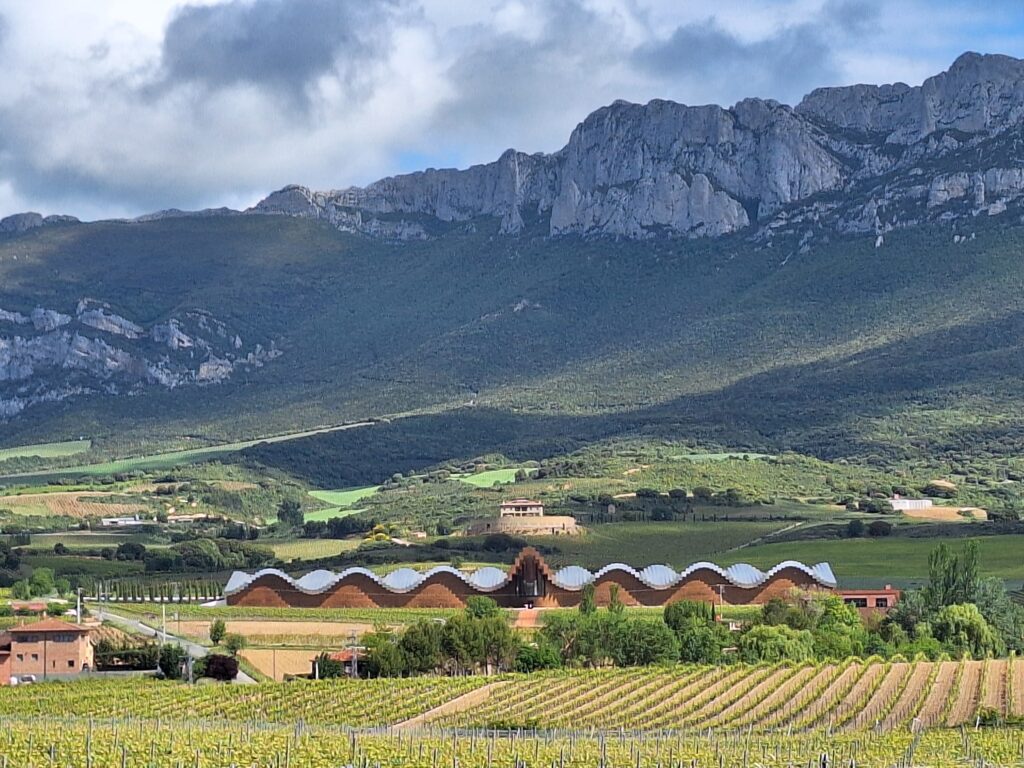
(529, 581)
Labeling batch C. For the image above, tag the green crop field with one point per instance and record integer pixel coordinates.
(46, 450)
(312, 549)
(894, 560)
(344, 497)
(677, 544)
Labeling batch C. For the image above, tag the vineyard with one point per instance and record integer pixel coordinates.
(849, 696)
(78, 743)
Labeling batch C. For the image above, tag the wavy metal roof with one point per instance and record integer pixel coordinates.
(572, 577)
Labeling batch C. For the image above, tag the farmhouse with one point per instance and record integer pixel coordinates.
(867, 600)
(521, 508)
(530, 581)
(905, 505)
(47, 649)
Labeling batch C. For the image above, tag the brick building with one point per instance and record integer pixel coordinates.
(48, 649)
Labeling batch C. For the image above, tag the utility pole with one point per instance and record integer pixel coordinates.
(355, 655)
(78, 609)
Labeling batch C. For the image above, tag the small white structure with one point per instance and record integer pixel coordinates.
(521, 508)
(120, 522)
(904, 505)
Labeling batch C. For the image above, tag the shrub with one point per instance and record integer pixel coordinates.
(220, 667)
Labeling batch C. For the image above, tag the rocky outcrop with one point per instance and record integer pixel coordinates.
(23, 222)
(669, 169)
(53, 356)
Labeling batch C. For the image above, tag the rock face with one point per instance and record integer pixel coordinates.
(48, 356)
(668, 169)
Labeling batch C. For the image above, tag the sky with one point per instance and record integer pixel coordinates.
(116, 108)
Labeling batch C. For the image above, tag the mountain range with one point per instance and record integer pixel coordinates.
(671, 265)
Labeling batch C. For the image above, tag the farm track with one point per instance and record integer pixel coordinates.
(909, 698)
(966, 703)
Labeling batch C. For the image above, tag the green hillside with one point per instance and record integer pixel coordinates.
(534, 346)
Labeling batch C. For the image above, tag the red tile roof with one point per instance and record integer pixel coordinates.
(49, 625)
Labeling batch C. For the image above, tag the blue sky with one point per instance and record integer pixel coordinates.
(126, 107)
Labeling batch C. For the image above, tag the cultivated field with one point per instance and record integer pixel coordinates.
(69, 504)
(312, 633)
(275, 664)
(841, 696)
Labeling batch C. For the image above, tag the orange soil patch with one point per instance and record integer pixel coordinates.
(946, 514)
(527, 618)
(255, 630)
(966, 703)
(72, 504)
(995, 685)
(1017, 705)
(935, 701)
(276, 664)
(909, 698)
(856, 694)
(624, 496)
(634, 470)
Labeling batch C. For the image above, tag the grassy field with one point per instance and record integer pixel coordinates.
(166, 460)
(639, 544)
(875, 561)
(88, 540)
(490, 477)
(345, 497)
(46, 450)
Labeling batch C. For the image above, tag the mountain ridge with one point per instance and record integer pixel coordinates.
(665, 168)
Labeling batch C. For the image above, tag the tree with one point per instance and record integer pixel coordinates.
(772, 644)
(700, 641)
(481, 607)
(643, 642)
(328, 668)
(952, 579)
(677, 615)
(588, 603)
(498, 641)
(170, 661)
(420, 645)
(962, 628)
(855, 529)
(41, 582)
(537, 656)
(21, 590)
(289, 512)
(60, 548)
(233, 643)
(615, 605)
(463, 643)
(879, 528)
(220, 667)
(62, 586)
(217, 631)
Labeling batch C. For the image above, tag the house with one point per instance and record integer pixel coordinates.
(866, 600)
(521, 508)
(345, 657)
(49, 649)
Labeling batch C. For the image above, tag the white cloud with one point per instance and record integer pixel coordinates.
(108, 113)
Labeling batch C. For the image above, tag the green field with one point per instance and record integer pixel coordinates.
(157, 461)
(676, 544)
(490, 477)
(46, 450)
(312, 549)
(74, 540)
(876, 561)
(344, 497)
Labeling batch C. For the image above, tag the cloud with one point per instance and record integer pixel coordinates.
(280, 43)
(784, 64)
(129, 107)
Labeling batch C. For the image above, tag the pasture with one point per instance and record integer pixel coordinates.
(46, 450)
(877, 560)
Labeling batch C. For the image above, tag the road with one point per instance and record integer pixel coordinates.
(195, 650)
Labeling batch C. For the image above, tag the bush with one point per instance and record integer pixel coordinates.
(217, 631)
(234, 643)
(220, 667)
(879, 528)
(170, 661)
(855, 529)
